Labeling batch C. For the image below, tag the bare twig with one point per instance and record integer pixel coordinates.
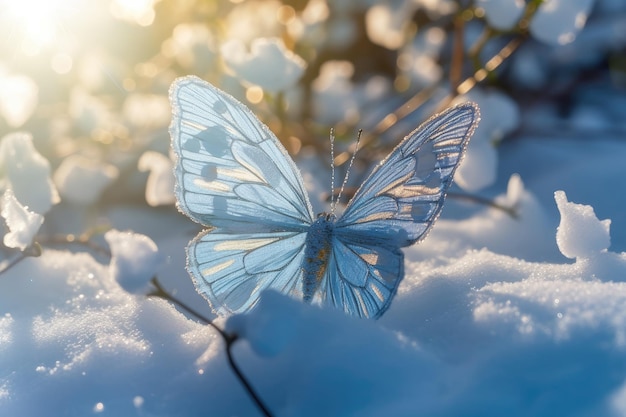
(229, 339)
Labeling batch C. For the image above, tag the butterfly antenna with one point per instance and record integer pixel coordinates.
(332, 169)
(345, 179)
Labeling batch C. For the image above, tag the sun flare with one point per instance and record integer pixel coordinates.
(36, 23)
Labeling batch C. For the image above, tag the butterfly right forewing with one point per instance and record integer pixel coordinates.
(395, 207)
(403, 196)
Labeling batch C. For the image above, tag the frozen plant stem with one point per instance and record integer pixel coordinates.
(33, 250)
(81, 240)
(511, 211)
(229, 339)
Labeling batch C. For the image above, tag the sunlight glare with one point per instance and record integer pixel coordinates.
(140, 11)
(37, 21)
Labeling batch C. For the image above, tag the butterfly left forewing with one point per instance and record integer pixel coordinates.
(231, 171)
(234, 176)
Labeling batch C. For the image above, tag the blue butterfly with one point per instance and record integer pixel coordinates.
(234, 176)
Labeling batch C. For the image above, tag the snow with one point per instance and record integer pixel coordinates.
(333, 92)
(283, 68)
(22, 223)
(419, 59)
(580, 234)
(27, 172)
(512, 309)
(559, 21)
(503, 14)
(499, 116)
(471, 331)
(387, 24)
(81, 180)
(74, 334)
(134, 259)
(148, 111)
(193, 47)
(160, 184)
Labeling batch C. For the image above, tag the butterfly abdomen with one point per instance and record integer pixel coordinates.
(316, 254)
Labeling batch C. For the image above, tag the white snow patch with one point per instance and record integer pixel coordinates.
(406, 379)
(81, 180)
(557, 22)
(580, 234)
(23, 224)
(388, 24)
(78, 338)
(502, 14)
(333, 93)
(27, 172)
(147, 111)
(160, 185)
(135, 259)
(269, 64)
(499, 116)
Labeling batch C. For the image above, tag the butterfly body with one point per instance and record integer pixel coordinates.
(317, 249)
(234, 176)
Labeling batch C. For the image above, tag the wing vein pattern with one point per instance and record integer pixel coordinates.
(395, 207)
(234, 176)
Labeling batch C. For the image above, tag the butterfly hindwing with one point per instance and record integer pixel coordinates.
(232, 172)
(231, 270)
(361, 278)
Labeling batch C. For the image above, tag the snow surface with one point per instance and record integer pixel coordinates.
(491, 319)
(514, 310)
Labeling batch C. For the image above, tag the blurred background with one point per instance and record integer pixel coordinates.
(89, 79)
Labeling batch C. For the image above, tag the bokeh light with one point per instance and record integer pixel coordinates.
(37, 23)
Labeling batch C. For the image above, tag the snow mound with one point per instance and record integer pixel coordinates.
(23, 224)
(82, 180)
(134, 261)
(580, 233)
(27, 172)
(269, 64)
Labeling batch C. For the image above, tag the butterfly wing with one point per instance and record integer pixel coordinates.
(232, 172)
(395, 207)
(362, 277)
(231, 270)
(233, 175)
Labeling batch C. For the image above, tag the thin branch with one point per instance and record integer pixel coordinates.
(70, 239)
(33, 251)
(511, 211)
(229, 339)
(456, 64)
